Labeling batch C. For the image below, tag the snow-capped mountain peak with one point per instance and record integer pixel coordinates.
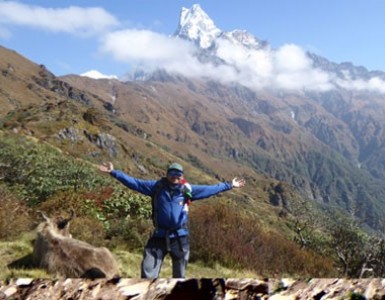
(197, 26)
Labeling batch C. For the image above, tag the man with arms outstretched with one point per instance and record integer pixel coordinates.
(171, 196)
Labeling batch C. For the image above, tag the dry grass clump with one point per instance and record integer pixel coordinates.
(84, 225)
(14, 215)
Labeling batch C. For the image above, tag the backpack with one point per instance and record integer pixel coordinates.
(159, 186)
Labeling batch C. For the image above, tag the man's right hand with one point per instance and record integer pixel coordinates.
(238, 183)
(106, 167)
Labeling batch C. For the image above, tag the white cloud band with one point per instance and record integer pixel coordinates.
(74, 20)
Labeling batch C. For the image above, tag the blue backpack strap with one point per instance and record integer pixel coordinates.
(159, 186)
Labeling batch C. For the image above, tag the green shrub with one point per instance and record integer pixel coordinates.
(131, 232)
(111, 212)
(123, 203)
(63, 202)
(36, 171)
(89, 230)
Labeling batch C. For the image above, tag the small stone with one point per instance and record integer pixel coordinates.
(135, 289)
(287, 282)
(24, 281)
(10, 291)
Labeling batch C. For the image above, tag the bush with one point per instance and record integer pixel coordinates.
(63, 202)
(37, 171)
(108, 212)
(89, 230)
(221, 233)
(14, 215)
(85, 225)
(131, 232)
(123, 202)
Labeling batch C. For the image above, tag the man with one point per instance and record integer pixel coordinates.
(170, 198)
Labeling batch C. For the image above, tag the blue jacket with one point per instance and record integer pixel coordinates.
(170, 202)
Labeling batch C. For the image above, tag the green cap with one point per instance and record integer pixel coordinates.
(175, 166)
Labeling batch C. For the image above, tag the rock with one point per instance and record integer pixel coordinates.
(104, 141)
(250, 286)
(286, 282)
(131, 288)
(202, 289)
(24, 281)
(10, 291)
(71, 133)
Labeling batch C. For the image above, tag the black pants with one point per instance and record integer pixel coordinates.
(156, 250)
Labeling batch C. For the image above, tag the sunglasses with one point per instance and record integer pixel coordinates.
(175, 173)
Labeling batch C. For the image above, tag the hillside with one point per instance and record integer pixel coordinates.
(298, 155)
(308, 141)
(220, 130)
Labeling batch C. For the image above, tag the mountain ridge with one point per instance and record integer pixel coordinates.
(301, 139)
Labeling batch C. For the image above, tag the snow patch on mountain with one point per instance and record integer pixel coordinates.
(97, 75)
(244, 39)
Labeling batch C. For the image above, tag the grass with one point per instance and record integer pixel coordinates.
(19, 251)
(129, 265)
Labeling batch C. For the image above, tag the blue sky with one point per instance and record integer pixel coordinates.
(69, 36)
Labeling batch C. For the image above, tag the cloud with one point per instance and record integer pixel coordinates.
(74, 20)
(145, 47)
(375, 84)
(293, 69)
(285, 68)
(151, 51)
